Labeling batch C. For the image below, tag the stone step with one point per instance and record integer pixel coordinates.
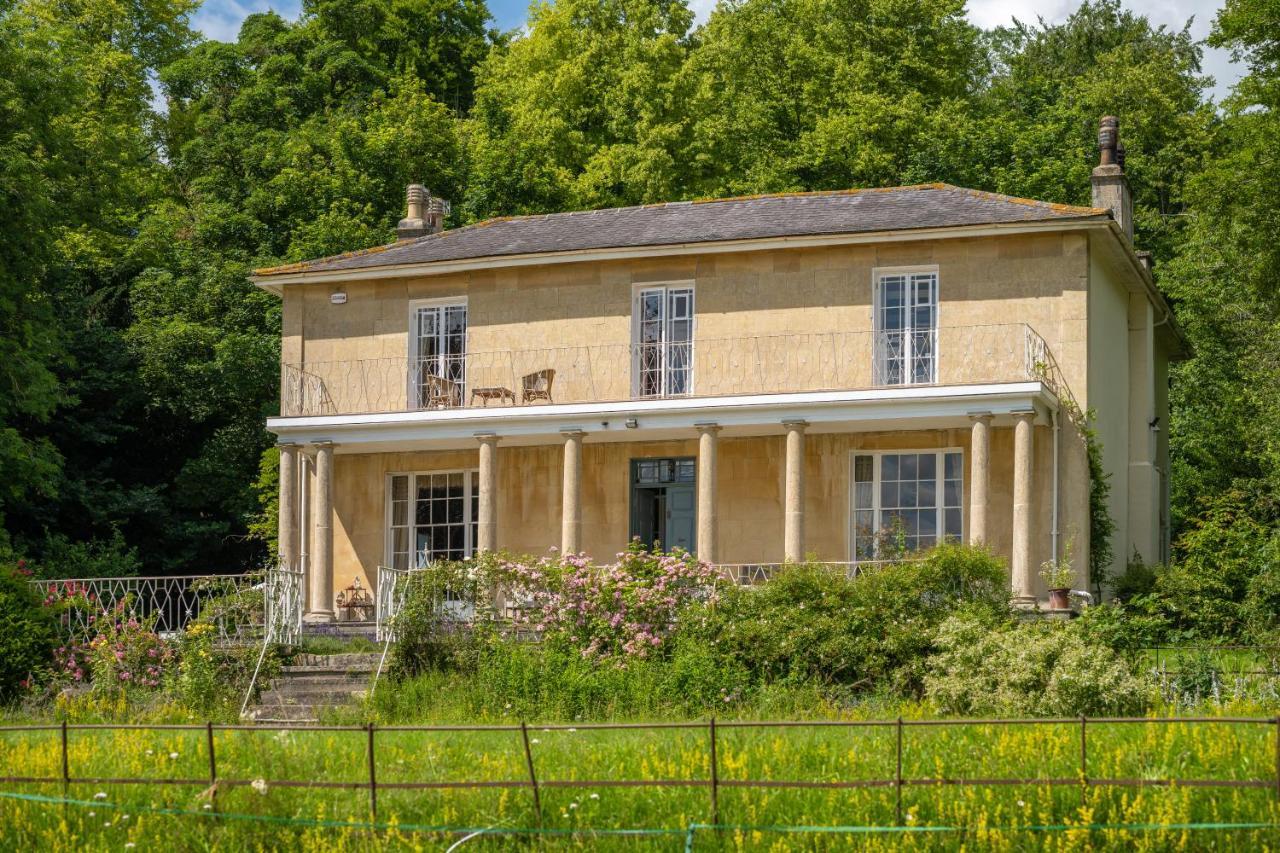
(336, 677)
(366, 661)
(286, 714)
(321, 696)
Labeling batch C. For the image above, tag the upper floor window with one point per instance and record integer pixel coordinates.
(906, 327)
(437, 353)
(662, 341)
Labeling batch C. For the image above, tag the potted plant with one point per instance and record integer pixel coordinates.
(1059, 575)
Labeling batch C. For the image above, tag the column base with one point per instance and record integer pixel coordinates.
(319, 617)
(1026, 602)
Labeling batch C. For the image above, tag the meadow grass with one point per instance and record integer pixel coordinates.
(991, 817)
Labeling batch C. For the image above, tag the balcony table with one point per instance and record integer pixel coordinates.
(493, 393)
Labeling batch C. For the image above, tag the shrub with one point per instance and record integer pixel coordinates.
(992, 667)
(813, 622)
(28, 633)
(1136, 580)
(1260, 610)
(1205, 590)
(446, 609)
(622, 611)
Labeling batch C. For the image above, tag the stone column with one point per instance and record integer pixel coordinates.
(979, 476)
(287, 531)
(1023, 457)
(708, 518)
(571, 493)
(320, 581)
(793, 536)
(487, 522)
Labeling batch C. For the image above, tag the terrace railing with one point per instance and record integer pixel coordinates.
(172, 601)
(761, 364)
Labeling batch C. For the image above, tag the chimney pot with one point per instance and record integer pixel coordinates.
(1110, 186)
(424, 214)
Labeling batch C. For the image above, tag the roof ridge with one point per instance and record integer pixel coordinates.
(302, 266)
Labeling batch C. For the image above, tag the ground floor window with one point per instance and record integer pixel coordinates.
(906, 501)
(431, 516)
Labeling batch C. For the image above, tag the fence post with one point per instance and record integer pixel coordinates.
(715, 776)
(897, 780)
(213, 765)
(1084, 761)
(373, 779)
(66, 764)
(533, 778)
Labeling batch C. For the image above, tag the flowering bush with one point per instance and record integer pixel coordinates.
(127, 655)
(625, 609)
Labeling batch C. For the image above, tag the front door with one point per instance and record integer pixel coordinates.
(663, 502)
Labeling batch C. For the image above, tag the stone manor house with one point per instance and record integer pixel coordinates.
(754, 379)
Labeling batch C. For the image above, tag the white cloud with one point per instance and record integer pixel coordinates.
(221, 19)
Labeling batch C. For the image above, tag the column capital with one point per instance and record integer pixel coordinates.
(796, 424)
(1025, 415)
(323, 444)
(981, 416)
(573, 432)
(710, 427)
(488, 437)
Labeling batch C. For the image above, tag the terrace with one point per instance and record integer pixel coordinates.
(700, 368)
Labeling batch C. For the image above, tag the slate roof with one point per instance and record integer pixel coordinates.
(748, 218)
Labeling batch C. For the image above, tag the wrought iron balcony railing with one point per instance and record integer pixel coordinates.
(763, 364)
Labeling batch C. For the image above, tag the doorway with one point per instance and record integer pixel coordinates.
(663, 502)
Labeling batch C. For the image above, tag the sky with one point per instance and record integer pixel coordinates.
(220, 19)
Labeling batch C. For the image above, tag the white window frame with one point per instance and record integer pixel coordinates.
(877, 458)
(413, 378)
(468, 520)
(637, 291)
(878, 274)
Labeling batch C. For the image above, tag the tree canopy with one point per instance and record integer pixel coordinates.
(146, 170)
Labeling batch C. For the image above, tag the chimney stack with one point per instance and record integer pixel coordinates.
(424, 215)
(1110, 186)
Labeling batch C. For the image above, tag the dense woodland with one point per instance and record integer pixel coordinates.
(145, 170)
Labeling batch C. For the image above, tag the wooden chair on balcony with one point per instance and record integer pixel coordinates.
(537, 385)
(440, 393)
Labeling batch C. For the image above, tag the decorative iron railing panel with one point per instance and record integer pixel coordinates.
(761, 364)
(284, 602)
(171, 601)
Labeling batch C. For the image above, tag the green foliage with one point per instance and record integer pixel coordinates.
(988, 667)
(445, 616)
(28, 633)
(813, 623)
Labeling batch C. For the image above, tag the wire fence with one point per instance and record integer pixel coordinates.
(713, 781)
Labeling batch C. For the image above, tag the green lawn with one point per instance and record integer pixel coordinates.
(990, 816)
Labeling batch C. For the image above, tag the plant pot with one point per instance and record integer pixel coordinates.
(1060, 599)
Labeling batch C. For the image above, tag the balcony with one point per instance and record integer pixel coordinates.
(717, 367)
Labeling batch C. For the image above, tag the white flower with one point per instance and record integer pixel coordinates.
(573, 805)
(208, 806)
(106, 823)
(91, 814)
(149, 752)
(534, 740)
(259, 785)
(129, 844)
(1021, 803)
(173, 756)
(124, 817)
(595, 796)
(101, 795)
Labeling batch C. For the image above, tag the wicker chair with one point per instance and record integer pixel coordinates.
(537, 386)
(440, 393)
